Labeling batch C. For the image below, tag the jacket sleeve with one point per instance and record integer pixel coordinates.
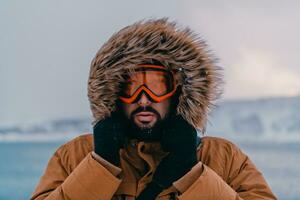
(89, 180)
(243, 181)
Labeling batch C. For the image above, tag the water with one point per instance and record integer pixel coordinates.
(22, 164)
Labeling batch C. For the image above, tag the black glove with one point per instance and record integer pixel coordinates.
(109, 137)
(180, 140)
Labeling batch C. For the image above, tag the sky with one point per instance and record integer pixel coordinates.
(46, 48)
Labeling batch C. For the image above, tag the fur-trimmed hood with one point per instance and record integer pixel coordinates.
(161, 41)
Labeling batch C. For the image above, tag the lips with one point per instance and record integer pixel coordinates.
(145, 113)
(145, 116)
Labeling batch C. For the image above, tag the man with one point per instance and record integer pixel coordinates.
(150, 88)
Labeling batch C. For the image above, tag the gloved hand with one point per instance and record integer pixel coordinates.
(109, 137)
(180, 140)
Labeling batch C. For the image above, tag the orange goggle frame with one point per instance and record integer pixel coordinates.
(155, 81)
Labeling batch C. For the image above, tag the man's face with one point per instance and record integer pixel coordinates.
(145, 113)
(146, 98)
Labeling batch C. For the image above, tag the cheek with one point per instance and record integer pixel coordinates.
(128, 108)
(163, 108)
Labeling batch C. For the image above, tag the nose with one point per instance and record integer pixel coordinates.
(144, 101)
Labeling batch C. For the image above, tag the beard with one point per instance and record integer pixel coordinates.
(145, 132)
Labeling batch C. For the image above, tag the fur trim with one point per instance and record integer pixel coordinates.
(156, 41)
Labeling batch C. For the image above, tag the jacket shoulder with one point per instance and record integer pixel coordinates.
(81, 140)
(218, 143)
(222, 155)
(74, 151)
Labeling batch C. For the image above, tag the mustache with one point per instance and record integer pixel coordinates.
(145, 108)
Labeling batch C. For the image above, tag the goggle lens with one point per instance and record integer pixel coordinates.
(159, 82)
(156, 81)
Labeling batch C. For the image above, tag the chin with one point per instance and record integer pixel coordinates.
(145, 125)
(148, 132)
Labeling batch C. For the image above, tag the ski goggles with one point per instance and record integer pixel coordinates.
(155, 81)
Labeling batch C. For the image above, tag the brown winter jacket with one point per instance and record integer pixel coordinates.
(75, 172)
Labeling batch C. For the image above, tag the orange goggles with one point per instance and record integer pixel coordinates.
(153, 80)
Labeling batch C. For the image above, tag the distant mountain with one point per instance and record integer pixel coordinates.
(51, 130)
(264, 119)
(58, 125)
(272, 119)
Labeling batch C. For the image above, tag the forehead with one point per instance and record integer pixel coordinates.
(147, 68)
(149, 74)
